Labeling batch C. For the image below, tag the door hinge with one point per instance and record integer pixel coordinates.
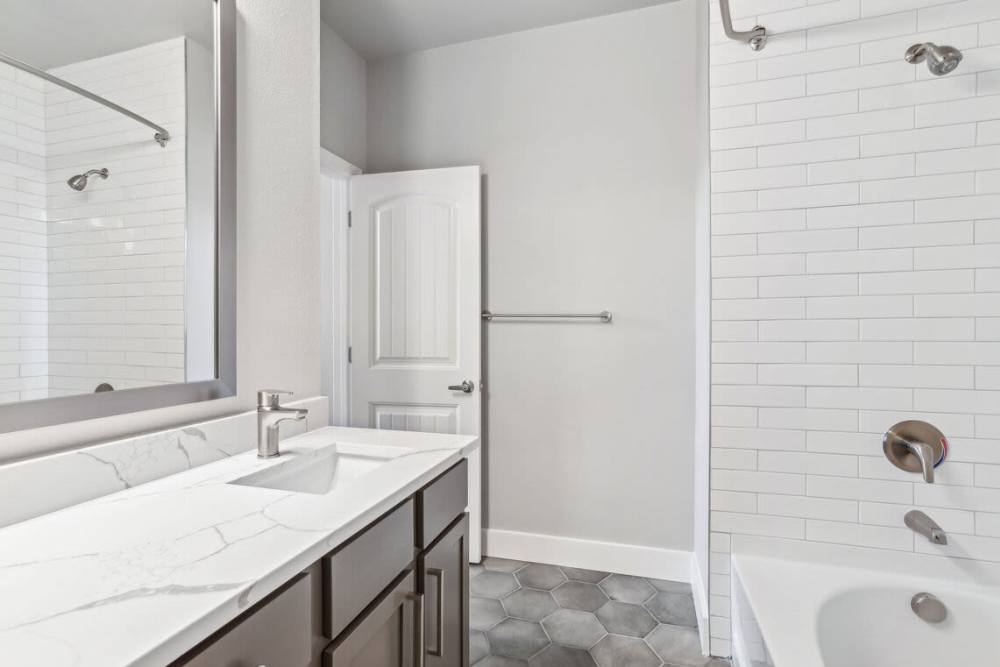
(350, 355)
(350, 219)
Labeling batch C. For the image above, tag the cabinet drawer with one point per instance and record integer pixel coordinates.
(441, 502)
(278, 632)
(357, 572)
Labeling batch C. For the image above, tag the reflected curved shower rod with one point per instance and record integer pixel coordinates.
(756, 38)
(161, 137)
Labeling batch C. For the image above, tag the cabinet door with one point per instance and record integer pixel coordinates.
(387, 635)
(444, 574)
(276, 634)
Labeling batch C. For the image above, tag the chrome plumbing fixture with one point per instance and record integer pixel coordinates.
(755, 38)
(270, 413)
(915, 446)
(921, 524)
(941, 60)
(928, 608)
(79, 182)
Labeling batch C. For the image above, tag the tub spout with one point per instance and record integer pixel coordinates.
(922, 524)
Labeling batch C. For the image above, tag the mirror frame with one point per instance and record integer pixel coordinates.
(66, 409)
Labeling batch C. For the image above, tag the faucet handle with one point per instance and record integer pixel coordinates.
(915, 446)
(271, 398)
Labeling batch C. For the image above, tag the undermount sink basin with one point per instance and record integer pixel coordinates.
(322, 470)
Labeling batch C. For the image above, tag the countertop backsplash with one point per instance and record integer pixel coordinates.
(50, 483)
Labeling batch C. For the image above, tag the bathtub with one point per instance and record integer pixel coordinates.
(806, 605)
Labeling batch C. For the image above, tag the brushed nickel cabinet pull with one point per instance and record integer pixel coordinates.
(438, 649)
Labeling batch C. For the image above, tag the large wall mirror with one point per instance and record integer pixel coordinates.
(117, 207)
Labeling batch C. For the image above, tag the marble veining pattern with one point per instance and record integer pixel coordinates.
(60, 480)
(141, 575)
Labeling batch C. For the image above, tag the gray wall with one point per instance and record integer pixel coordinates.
(344, 99)
(278, 222)
(585, 132)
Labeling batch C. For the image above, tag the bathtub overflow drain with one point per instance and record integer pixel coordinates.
(928, 608)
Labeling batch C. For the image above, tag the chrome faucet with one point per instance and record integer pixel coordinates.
(922, 524)
(270, 413)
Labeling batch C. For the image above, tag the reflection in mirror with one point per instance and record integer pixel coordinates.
(107, 196)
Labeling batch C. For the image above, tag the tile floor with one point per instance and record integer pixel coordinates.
(537, 615)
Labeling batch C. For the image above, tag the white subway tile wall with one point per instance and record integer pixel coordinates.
(23, 279)
(91, 283)
(116, 250)
(855, 276)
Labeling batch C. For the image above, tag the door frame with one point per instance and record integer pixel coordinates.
(335, 209)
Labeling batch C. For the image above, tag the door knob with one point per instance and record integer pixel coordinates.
(466, 386)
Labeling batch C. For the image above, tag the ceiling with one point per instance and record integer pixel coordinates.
(381, 28)
(49, 33)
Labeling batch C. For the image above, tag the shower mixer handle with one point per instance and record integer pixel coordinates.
(915, 446)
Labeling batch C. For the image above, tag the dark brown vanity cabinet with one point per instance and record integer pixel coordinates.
(445, 587)
(387, 635)
(394, 595)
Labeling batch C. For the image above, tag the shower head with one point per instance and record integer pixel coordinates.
(940, 59)
(79, 182)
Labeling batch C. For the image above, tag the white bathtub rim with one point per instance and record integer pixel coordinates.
(820, 572)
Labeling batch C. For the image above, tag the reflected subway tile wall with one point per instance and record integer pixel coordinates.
(116, 249)
(23, 274)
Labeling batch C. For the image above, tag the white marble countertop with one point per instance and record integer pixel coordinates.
(140, 576)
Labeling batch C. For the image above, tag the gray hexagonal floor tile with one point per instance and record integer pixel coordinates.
(670, 586)
(537, 575)
(587, 576)
(622, 618)
(515, 638)
(625, 588)
(502, 564)
(479, 648)
(577, 629)
(618, 651)
(484, 613)
(491, 584)
(673, 608)
(529, 604)
(562, 656)
(581, 596)
(501, 661)
(677, 646)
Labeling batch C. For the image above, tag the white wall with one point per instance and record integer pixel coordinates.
(856, 277)
(278, 218)
(344, 99)
(585, 133)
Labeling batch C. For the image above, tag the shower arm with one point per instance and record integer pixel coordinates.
(756, 38)
(161, 137)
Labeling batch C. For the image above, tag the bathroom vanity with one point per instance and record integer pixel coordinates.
(394, 594)
(348, 549)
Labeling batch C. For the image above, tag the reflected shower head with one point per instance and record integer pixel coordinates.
(940, 59)
(79, 182)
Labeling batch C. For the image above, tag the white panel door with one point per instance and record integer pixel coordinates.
(416, 304)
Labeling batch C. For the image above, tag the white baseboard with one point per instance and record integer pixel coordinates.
(700, 605)
(640, 561)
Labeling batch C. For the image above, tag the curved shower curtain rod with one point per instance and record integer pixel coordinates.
(756, 38)
(161, 137)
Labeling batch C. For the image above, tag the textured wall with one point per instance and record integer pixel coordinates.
(856, 273)
(343, 99)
